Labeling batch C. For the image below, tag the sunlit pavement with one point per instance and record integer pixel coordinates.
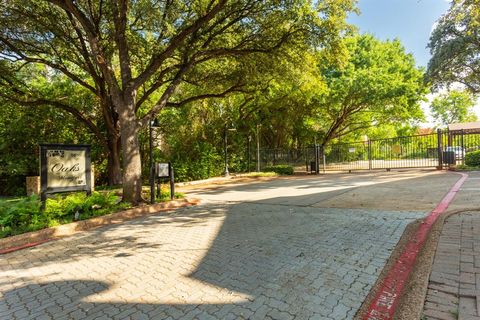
(299, 248)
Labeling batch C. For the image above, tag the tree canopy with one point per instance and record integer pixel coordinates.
(455, 47)
(453, 107)
(134, 57)
(377, 85)
(295, 70)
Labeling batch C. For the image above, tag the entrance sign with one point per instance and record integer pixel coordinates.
(64, 168)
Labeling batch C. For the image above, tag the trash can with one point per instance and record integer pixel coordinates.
(449, 157)
(312, 167)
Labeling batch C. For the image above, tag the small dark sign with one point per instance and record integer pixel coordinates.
(64, 168)
(162, 170)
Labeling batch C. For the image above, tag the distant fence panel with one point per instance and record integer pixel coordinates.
(346, 156)
(419, 151)
(442, 148)
(296, 158)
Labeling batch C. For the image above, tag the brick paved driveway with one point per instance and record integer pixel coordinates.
(221, 260)
(454, 282)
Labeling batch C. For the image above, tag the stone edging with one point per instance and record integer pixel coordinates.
(211, 180)
(413, 301)
(29, 239)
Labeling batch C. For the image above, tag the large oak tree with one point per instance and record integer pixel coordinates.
(135, 55)
(377, 85)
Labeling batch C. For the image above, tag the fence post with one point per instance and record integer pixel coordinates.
(324, 160)
(463, 146)
(369, 154)
(258, 149)
(249, 153)
(440, 149)
(306, 158)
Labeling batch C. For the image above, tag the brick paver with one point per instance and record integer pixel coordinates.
(454, 285)
(215, 261)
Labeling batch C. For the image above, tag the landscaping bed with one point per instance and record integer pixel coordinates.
(21, 215)
(37, 237)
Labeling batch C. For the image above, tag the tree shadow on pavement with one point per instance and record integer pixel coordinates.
(70, 300)
(241, 260)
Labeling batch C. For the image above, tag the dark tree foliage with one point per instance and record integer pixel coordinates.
(455, 47)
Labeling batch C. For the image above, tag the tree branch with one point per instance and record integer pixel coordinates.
(84, 50)
(57, 104)
(120, 23)
(176, 41)
(94, 39)
(51, 64)
(235, 88)
(157, 84)
(166, 94)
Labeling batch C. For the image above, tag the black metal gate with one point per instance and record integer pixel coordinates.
(439, 149)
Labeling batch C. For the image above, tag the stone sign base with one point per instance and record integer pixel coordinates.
(33, 186)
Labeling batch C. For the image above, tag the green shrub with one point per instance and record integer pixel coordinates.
(165, 194)
(18, 216)
(463, 167)
(24, 215)
(199, 162)
(473, 159)
(61, 209)
(280, 169)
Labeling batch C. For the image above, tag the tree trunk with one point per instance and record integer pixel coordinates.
(113, 165)
(114, 146)
(132, 164)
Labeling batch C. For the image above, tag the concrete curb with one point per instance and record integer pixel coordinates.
(30, 239)
(384, 304)
(231, 178)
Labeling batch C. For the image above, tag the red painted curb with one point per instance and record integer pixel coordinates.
(28, 245)
(386, 300)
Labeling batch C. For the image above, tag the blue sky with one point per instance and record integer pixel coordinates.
(410, 21)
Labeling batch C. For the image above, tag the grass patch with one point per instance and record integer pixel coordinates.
(262, 174)
(463, 167)
(280, 169)
(109, 188)
(11, 199)
(164, 193)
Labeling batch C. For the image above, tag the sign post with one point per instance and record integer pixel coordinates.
(64, 168)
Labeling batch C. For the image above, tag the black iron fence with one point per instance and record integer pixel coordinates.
(439, 149)
(293, 157)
